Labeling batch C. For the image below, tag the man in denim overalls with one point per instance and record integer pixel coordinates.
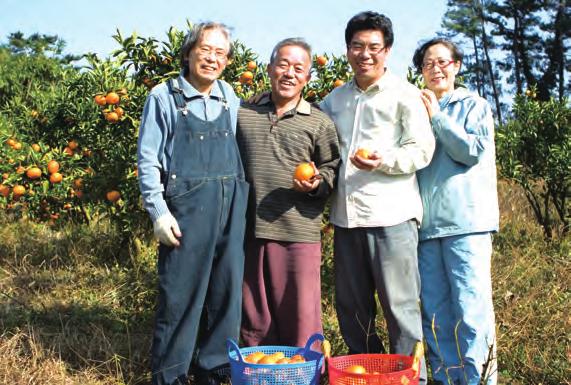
(192, 183)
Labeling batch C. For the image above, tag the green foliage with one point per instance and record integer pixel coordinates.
(534, 150)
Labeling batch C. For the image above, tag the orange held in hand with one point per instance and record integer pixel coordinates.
(363, 153)
(304, 171)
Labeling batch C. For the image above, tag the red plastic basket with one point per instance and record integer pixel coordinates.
(382, 369)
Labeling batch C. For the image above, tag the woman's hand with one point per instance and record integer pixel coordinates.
(430, 102)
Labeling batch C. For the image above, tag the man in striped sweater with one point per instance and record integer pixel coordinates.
(282, 285)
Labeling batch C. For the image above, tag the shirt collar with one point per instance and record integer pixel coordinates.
(189, 91)
(377, 86)
(303, 107)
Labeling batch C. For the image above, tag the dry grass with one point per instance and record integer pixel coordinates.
(75, 310)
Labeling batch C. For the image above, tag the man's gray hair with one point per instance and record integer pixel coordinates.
(194, 36)
(296, 41)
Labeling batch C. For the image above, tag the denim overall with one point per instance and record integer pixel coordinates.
(200, 282)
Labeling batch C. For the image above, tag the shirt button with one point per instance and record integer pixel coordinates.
(201, 137)
(184, 112)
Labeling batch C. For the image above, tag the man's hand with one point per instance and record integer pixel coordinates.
(430, 102)
(166, 230)
(306, 186)
(367, 164)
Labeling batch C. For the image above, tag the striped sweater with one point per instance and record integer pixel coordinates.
(271, 148)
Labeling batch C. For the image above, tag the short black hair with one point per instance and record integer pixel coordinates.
(370, 20)
(418, 57)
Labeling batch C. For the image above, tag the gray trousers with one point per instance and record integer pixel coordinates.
(382, 260)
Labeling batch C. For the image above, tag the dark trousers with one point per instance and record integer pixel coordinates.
(200, 282)
(381, 260)
(281, 293)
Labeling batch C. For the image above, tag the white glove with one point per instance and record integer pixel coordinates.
(166, 230)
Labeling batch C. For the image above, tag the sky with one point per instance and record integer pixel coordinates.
(88, 26)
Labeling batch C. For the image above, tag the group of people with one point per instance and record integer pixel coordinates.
(240, 250)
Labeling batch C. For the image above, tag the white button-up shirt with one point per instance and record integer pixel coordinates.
(388, 117)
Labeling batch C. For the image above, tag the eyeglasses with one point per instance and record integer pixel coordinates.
(441, 63)
(358, 48)
(220, 54)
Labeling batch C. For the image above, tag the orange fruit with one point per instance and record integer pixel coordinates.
(363, 153)
(297, 358)
(278, 355)
(78, 183)
(68, 151)
(20, 170)
(355, 369)
(18, 190)
(254, 357)
(267, 360)
(4, 190)
(321, 60)
(34, 114)
(5, 175)
(283, 361)
(113, 196)
(17, 146)
(34, 173)
(67, 206)
(11, 142)
(251, 66)
(56, 177)
(53, 166)
(72, 144)
(100, 100)
(112, 117)
(304, 171)
(246, 77)
(338, 83)
(112, 98)
(119, 111)
(36, 147)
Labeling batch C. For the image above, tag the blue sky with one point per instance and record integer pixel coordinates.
(87, 26)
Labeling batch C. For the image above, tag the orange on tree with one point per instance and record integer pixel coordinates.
(119, 111)
(34, 172)
(5, 175)
(112, 117)
(246, 77)
(112, 98)
(18, 190)
(113, 196)
(78, 183)
(36, 147)
(17, 146)
(100, 100)
(56, 177)
(338, 83)
(53, 166)
(363, 153)
(321, 60)
(4, 190)
(67, 206)
(73, 144)
(11, 142)
(68, 151)
(251, 66)
(304, 171)
(34, 114)
(20, 170)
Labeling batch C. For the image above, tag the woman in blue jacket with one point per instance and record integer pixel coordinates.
(460, 203)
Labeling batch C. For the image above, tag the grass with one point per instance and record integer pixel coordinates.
(77, 309)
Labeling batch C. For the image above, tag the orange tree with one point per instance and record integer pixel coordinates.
(68, 135)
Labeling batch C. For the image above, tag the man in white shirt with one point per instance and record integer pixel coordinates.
(376, 207)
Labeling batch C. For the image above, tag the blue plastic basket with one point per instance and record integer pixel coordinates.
(303, 373)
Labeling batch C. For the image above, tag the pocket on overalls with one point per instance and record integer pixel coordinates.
(220, 153)
(183, 189)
